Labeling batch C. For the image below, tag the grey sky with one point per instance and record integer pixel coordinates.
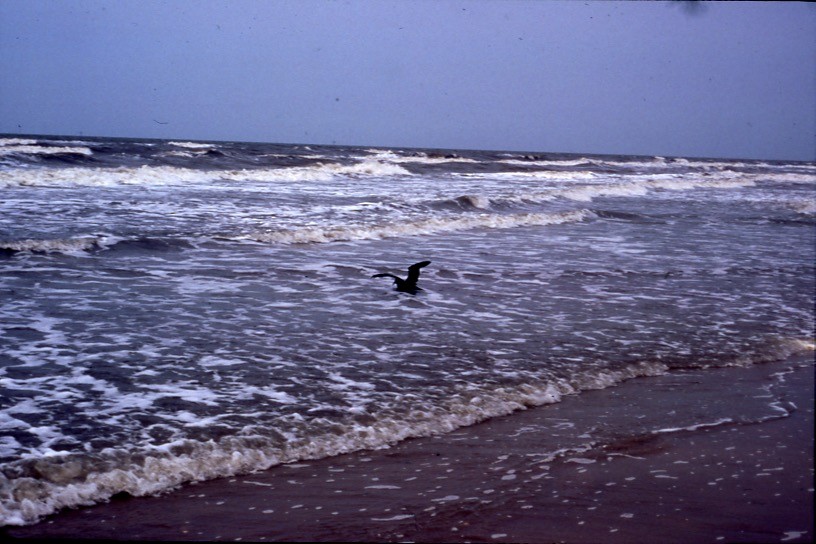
(725, 80)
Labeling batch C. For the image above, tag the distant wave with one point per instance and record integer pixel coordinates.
(171, 175)
(642, 187)
(655, 164)
(99, 177)
(479, 202)
(16, 141)
(192, 145)
(792, 177)
(317, 235)
(69, 246)
(189, 150)
(597, 187)
(540, 162)
(625, 216)
(804, 207)
(559, 175)
(83, 245)
(32, 149)
(419, 157)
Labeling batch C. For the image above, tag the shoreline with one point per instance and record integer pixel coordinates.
(566, 472)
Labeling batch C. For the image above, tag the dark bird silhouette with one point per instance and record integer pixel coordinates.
(409, 284)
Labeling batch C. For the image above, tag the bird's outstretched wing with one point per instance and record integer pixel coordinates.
(385, 276)
(413, 271)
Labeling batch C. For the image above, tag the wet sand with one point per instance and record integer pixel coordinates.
(588, 469)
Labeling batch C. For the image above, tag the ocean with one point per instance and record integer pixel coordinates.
(175, 311)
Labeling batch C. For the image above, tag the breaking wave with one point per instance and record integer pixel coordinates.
(640, 187)
(316, 235)
(171, 175)
(83, 245)
(32, 149)
(69, 246)
(192, 145)
(30, 490)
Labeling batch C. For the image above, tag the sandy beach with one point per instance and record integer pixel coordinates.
(493, 482)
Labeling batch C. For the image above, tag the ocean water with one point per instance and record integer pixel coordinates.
(178, 311)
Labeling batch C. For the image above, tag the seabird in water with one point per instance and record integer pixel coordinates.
(409, 284)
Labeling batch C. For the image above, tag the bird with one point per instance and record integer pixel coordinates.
(409, 284)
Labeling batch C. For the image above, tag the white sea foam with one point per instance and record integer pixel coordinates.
(717, 423)
(212, 360)
(398, 517)
(792, 535)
